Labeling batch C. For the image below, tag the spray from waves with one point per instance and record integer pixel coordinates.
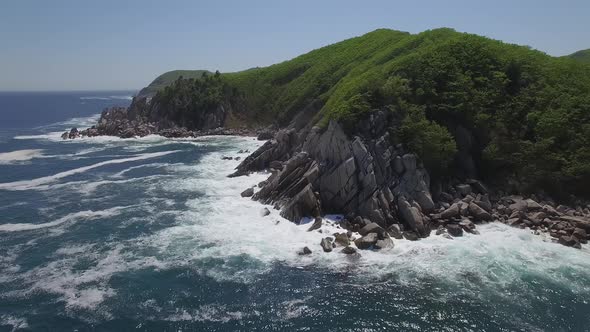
(70, 218)
(223, 236)
(13, 157)
(32, 184)
(16, 323)
(229, 229)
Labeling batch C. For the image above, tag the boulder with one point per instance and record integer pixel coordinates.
(304, 251)
(477, 186)
(580, 234)
(384, 244)
(569, 241)
(372, 228)
(264, 212)
(65, 135)
(366, 241)
(326, 244)
(348, 250)
(395, 231)
(454, 230)
(537, 217)
(451, 212)
(467, 225)
(248, 192)
(410, 236)
(342, 239)
(317, 224)
(483, 202)
(532, 205)
(463, 189)
(412, 216)
(479, 213)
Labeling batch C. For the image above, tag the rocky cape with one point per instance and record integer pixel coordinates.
(142, 118)
(385, 193)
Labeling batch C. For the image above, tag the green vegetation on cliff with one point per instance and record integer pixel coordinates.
(168, 78)
(526, 114)
(583, 56)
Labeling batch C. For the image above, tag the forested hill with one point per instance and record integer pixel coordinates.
(167, 79)
(583, 56)
(524, 112)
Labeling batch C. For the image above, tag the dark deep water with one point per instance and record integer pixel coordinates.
(149, 234)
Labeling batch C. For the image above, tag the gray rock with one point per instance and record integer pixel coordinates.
(326, 244)
(395, 231)
(372, 228)
(477, 186)
(342, 239)
(463, 189)
(398, 165)
(384, 244)
(550, 210)
(479, 213)
(348, 250)
(569, 241)
(265, 212)
(304, 251)
(410, 236)
(467, 225)
(454, 230)
(412, 216)
(451, 212)
(447, 236)
(248, 192)
(317, 223)
(276, 164)
(580, 234)
(409, 162)
(366, 241)
(532, 205)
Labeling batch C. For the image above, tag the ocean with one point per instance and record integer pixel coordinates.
(149, 234)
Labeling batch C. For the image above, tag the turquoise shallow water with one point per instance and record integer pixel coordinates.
(149, 234)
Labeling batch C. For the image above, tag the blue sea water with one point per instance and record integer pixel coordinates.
(149, 234)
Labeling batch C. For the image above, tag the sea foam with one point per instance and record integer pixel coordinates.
(31, 184)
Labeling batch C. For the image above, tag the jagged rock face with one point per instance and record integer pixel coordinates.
(329, 172)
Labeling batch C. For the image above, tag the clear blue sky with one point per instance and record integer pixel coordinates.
(84, 45)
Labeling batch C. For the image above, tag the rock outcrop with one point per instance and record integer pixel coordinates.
(327, 171)
(384, 190)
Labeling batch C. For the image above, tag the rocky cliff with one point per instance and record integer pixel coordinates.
(383, 189)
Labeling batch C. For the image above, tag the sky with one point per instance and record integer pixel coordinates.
(118, 45)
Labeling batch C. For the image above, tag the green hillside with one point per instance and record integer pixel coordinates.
(583, 56)
(529, 113)
(168, 78)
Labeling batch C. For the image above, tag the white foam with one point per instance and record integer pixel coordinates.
(207, 313)
(72, 218)
(17, 323)
(18, 156)
(218, 225)
(31, 184)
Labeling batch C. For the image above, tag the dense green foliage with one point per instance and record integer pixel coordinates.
(168, 78)
(528, 113)
(186, 102)
(583, 56)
